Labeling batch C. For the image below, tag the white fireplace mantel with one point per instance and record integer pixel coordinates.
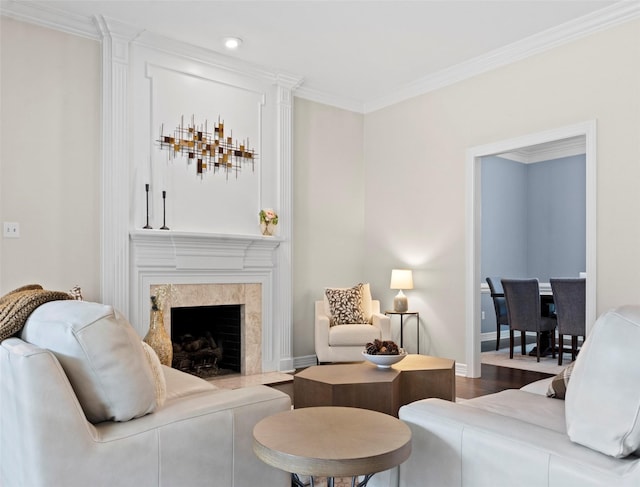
(203, 251)
(169, 257)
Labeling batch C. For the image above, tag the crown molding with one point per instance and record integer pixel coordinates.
(45, 15)
(110, 28)
(288, 82)
(329, 99)
(599, 20)
(572, 146)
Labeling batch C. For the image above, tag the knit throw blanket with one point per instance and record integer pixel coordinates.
(16, 306)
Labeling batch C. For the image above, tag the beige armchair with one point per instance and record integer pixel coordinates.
(76, 360)
(345, 342)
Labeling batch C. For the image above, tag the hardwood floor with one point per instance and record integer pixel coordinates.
(493, 379)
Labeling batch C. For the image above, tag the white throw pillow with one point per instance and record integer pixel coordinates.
(602, 403)
(159, 380)
(101, 354)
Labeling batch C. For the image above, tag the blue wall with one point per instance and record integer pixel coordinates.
(533, 221)
(557, 218)
(504, 218)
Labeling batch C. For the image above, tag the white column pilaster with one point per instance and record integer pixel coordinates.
(116, 129)
(284, 273)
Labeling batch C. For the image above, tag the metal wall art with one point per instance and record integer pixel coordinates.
(209, 150)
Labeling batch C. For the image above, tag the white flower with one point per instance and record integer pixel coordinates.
(268, 216)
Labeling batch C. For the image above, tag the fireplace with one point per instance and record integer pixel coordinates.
(214, 269)
(201, 301)
(207, 339)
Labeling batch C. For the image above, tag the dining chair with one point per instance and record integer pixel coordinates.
(499, 304)
(525, 315)
(569, 297)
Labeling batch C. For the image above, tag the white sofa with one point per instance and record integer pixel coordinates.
(149, 425)
(524, 438)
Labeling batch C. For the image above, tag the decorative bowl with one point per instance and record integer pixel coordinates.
(385, 361)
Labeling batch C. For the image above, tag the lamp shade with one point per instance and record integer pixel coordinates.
(401, 279)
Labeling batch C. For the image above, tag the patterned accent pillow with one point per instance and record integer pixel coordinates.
(346, 305)
(558, 386)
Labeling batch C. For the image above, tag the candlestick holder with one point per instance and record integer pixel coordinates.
(164, 212)
(146, 188)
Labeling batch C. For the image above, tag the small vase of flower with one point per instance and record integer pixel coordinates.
(268, 221)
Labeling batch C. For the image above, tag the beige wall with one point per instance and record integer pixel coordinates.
(328, 199)
(415, 157)
(49, 160)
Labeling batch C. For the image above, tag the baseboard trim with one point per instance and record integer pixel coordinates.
(461, 369)
(490, 336)
(304, 361)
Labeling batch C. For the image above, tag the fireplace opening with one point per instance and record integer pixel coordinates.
(206, 339)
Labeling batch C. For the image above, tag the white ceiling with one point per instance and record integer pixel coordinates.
(353, 52)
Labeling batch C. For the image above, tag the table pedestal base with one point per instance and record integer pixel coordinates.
(296, 482)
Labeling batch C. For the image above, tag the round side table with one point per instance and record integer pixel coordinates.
(332, 442)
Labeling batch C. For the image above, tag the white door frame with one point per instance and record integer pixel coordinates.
(474, 226)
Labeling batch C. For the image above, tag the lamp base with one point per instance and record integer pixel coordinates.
(400, 303)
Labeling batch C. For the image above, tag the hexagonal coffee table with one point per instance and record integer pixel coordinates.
(363, 385)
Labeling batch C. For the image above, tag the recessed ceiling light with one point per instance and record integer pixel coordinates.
(232, 43)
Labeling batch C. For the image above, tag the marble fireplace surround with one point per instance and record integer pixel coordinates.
(212, 269)
(249, 296)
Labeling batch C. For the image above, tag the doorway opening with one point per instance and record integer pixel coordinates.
(587, 132)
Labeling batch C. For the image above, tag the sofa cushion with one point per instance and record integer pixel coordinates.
(367, 305)
(181, 384)
(159, 380)
(101, 354)
(603, 400)
(524, 406)
(539, 387)
(352, 335)
(558, 385)
(345, 305)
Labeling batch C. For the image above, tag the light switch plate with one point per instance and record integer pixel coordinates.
(11, 230)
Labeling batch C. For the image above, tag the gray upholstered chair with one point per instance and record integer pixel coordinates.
(525, 314)
(569, 297)
(500, 306)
